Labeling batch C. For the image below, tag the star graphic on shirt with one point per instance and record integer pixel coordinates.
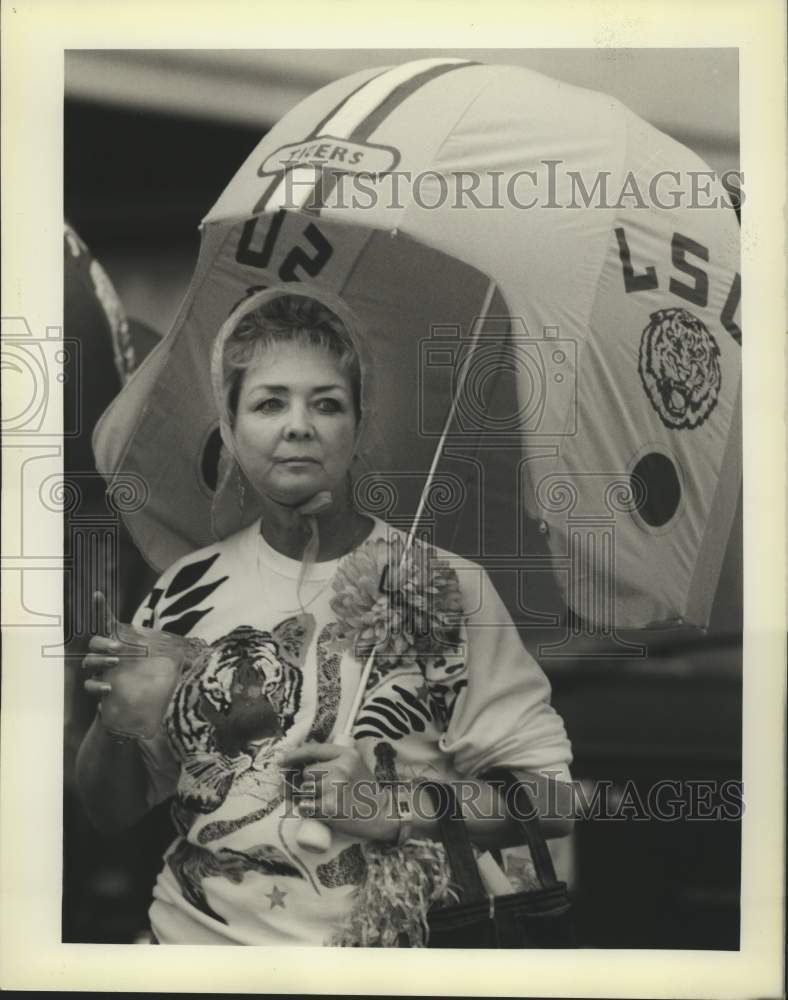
(277, 897)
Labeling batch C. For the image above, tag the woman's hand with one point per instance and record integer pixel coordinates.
(338, 789)
(111, 776)
(134, 672)
(105, 648)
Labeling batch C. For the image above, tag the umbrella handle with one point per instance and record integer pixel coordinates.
(312, 835)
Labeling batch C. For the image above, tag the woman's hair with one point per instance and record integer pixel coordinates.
(287, 319)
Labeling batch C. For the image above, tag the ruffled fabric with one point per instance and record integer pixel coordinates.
(401, 886)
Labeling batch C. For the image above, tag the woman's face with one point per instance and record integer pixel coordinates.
(295, 427)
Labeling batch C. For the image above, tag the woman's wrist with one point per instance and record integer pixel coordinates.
(411, 813)
(111, 780)
(424, 820)
(388, 819)
(110, 736)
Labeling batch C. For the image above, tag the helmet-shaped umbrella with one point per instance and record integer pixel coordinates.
(525, 248)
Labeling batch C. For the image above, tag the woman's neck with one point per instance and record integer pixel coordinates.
(340, 529)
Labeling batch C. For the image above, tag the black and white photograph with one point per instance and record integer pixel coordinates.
(381, 534)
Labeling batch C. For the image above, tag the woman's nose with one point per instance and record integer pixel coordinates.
(298, 423)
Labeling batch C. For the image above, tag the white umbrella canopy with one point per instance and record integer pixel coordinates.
(588, 335)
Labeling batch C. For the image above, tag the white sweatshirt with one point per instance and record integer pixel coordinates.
(276, 678)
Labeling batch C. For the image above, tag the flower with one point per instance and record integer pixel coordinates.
(408, 606)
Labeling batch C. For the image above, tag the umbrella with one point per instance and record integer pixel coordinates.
(553, 324)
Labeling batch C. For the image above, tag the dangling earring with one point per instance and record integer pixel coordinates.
(241, 488)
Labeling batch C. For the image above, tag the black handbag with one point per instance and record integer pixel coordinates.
(538, 918)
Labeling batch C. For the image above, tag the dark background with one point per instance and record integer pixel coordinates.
(137, 180)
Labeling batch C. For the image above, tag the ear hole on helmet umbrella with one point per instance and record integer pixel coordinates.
(656, 483)
(209, 461)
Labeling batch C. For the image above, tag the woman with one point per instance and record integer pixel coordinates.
(290, 607)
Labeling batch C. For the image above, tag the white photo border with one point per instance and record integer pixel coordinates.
(35, 35)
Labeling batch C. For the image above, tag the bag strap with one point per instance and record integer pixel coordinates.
(459, 850)
(528, 823)
(457, 842)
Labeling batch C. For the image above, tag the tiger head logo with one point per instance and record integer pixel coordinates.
(232, 708)
(679, 367)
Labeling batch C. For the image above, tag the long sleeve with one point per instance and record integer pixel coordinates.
(503, 715)
(162, 768)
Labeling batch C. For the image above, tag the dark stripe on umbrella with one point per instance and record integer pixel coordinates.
(365, 128)
(327, 181)
(262, 201)
(322, 124)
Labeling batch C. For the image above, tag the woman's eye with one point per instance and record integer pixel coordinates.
(329, 405)
(269, 405)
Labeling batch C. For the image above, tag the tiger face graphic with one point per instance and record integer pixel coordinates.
(679, 367)
(232, 708)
